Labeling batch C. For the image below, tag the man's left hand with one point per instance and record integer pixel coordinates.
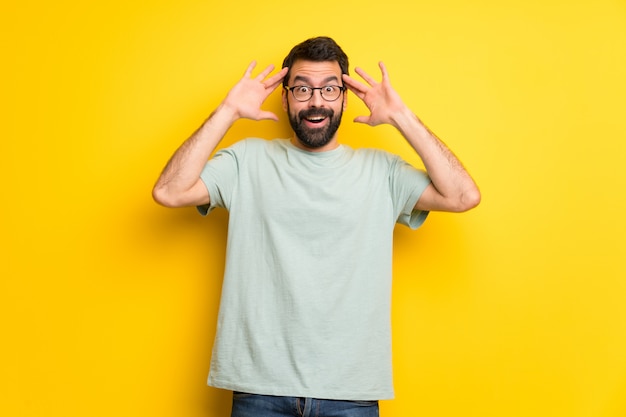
(380, 98)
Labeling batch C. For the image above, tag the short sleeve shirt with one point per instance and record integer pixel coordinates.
(305, 307)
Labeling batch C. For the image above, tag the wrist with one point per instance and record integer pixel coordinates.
(224, 113)
(405, 120)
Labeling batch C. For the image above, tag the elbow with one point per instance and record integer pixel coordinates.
(162, 197)
(169, 196)
(469, 200)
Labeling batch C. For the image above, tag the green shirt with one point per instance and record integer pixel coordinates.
(305, 307)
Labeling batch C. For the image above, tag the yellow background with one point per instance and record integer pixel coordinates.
(108, 301)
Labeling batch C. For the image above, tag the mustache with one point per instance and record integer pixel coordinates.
(308, 113)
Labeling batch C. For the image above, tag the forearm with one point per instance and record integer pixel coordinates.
(175, 184)
(456, 188)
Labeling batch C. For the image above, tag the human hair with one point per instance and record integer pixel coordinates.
(319, 49)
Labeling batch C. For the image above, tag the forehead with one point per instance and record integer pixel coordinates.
(315, 72)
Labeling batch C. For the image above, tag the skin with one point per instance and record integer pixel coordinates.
(452, 189)
(314, 74)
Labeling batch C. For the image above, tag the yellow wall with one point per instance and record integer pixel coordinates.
(108, 301)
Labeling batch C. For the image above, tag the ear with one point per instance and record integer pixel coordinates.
(345, 99)
(284, 99)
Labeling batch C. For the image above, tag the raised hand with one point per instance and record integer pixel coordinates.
(380, 98)
(247, 96)
(179, 184)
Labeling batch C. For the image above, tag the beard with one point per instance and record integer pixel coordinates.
(314, 138)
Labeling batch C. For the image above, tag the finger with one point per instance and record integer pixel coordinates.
(251, 66)
(383, 70)
(265, 72)
(359, 94)
(354, 86)
(355, 89)
(276, 79)
(365, 76)
(362, 119)
(267, 115)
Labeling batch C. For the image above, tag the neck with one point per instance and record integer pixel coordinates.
(333, 144)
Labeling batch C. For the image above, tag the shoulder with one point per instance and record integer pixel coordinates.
(259, 144)
(245, 146)
(376, 156)
(253, 151)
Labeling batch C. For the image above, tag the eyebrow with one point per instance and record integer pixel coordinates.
(307, 79)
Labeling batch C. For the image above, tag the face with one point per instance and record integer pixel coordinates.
(315, 122)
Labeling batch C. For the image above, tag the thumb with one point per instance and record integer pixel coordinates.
(362, 119)
(267, 115)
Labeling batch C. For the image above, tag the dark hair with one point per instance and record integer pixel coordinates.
(319, 49)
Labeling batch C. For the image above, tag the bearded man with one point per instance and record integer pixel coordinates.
(304, 321)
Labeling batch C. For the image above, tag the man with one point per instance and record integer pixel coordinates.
(304, 322)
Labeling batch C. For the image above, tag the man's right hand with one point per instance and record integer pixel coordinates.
(180, 184)
(245, 99)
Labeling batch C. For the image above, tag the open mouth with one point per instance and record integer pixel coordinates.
(315, 120)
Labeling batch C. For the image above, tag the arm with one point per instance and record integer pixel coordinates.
(180, 184)
(452, 188)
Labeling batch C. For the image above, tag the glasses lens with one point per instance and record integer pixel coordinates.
(330, 92)
(302, 92)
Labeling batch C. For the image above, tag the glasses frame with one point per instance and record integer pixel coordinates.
(340, 87)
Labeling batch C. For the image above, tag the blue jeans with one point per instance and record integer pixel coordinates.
(253, 405)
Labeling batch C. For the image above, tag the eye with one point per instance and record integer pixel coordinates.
(302, 89)
(329, 89)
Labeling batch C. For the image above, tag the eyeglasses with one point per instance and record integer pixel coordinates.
(304, 92)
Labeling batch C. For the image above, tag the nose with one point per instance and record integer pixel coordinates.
(317, 100)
